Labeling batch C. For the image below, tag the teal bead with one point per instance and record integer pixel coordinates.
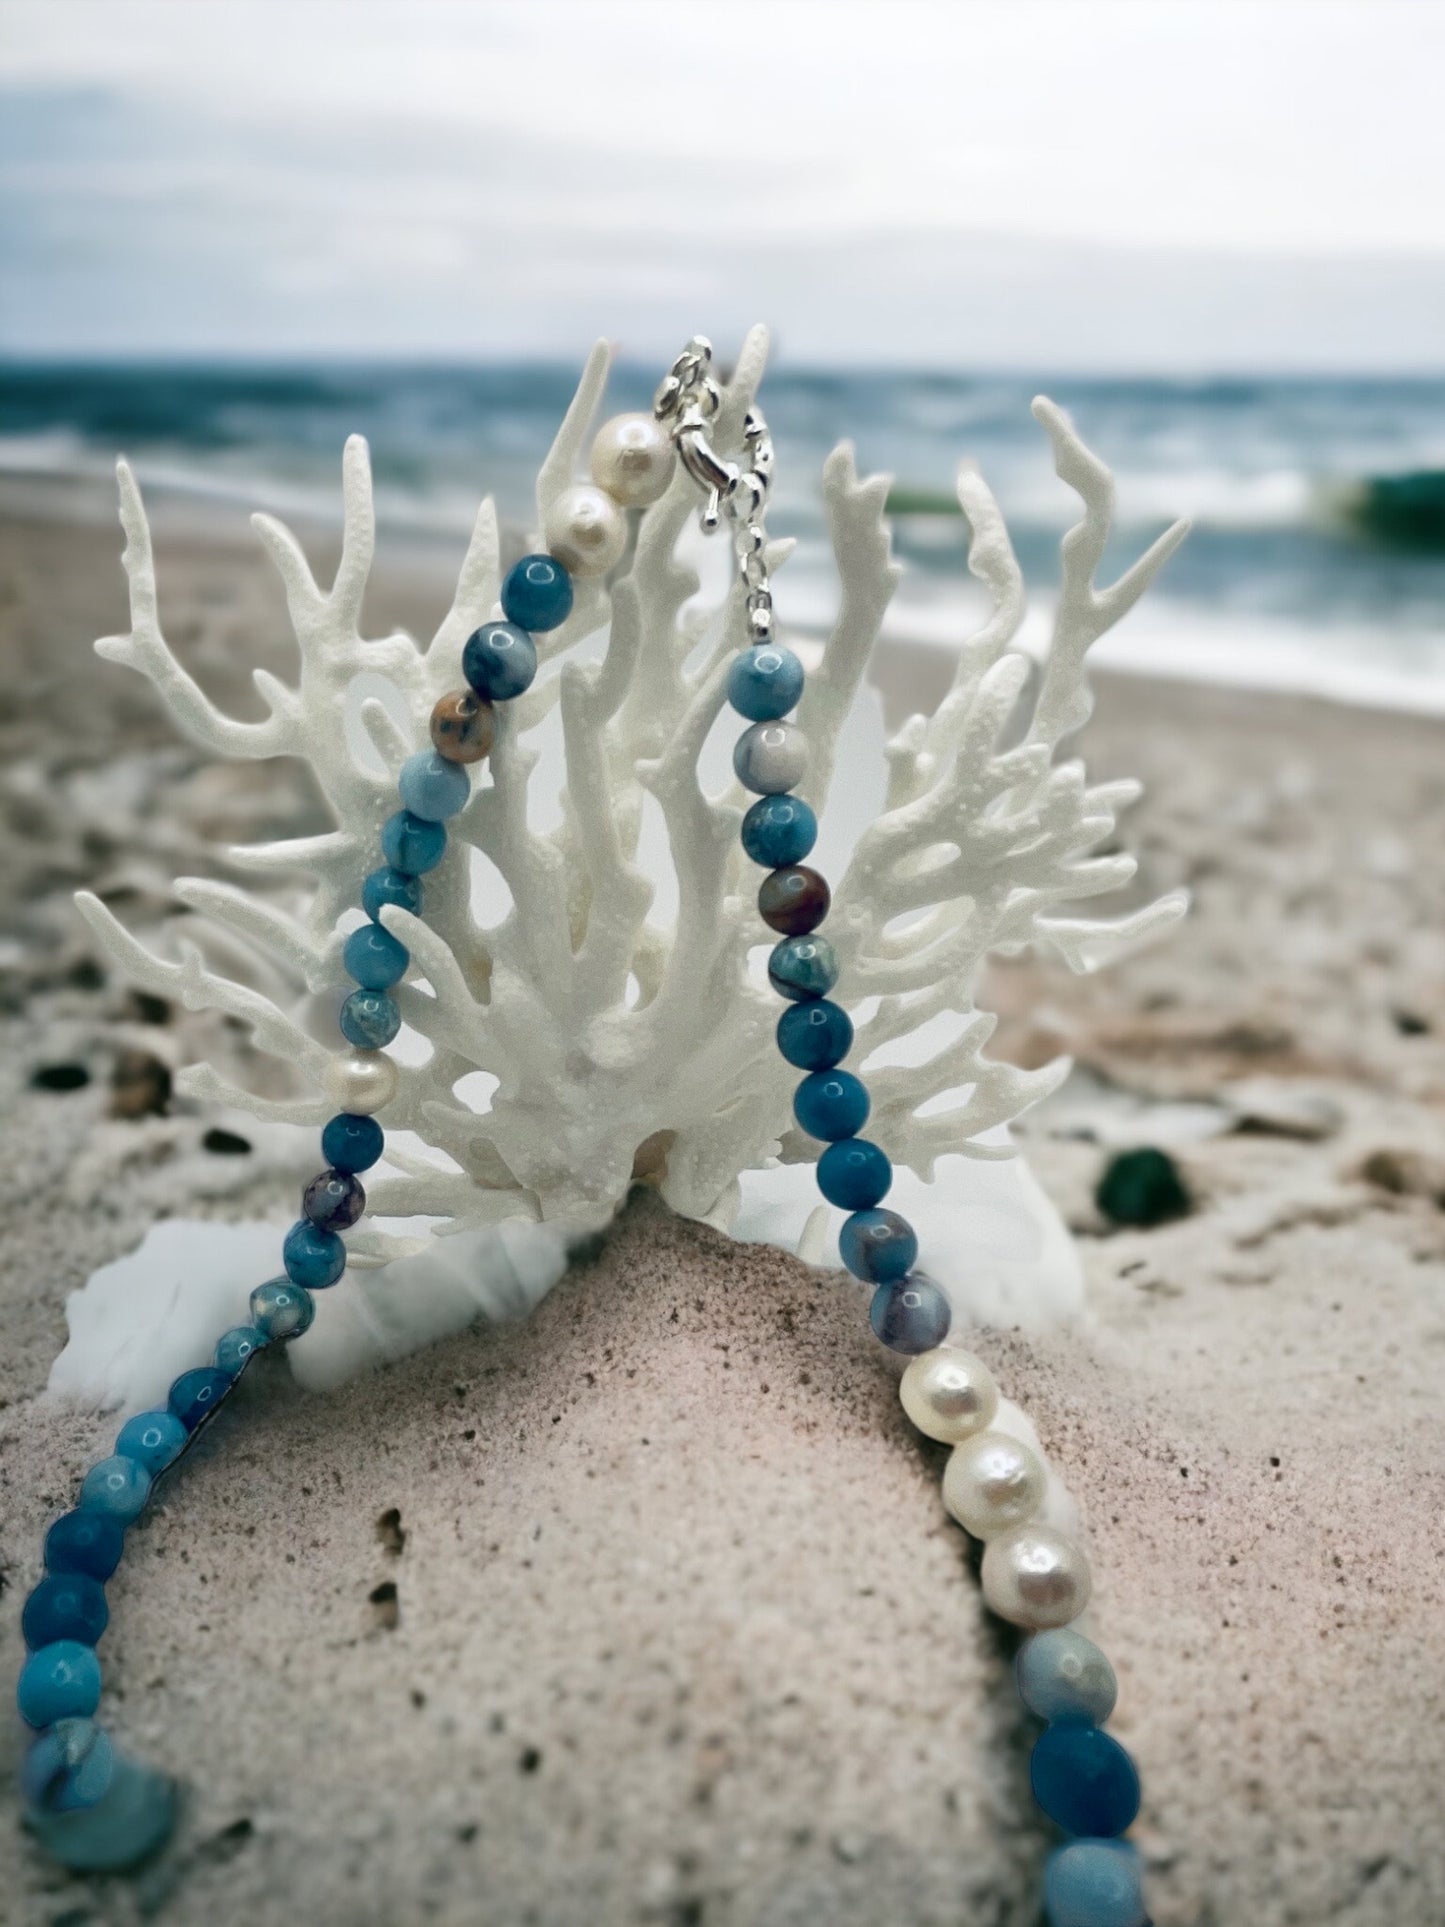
(779, 830)
(499, 661)
(853, 1174)
(69, 1766)
(816, 1035)
(282, 1309)
(131, 1822)
(352, 1142)
(803, 967)
(390, 886)
(831, 1104)
(85, 1541)
(117, 1486)
(59, 1682)
(1063, 1676)
(374, 957)
(313, 1258)
(236, 1348)
(537, 595)
(65, 1605)
(765, 682)
(431, 787)
(369, 1019)
(878, 1246)
(1084, 1780)
(197, 1394)
(1094, 1883)
(152, 1439)
(411, 844)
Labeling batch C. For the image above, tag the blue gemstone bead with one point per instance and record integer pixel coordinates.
(369, 1019)
(815, 1036)
(281, 1309)
(831, 1104)
(878, 1246)
(911, 1315)
(195, 1395)
(391, 886)
(411, 844)
(765, 682)
(1084, 1780)
(499, 661)
(779, 830)
(803, 967)
(65, 1605)
(152, 1439)
(854, 1174)
(352, 1142)
(236, 1348)
(431, 787)
(118, 1487)
(1063, 1676)
(374, 957)
(1094, 1883)
(313, 1258)
(69, 1766)
(83, 1541)
(131, 1821)
(60, 1682)
(537, 594)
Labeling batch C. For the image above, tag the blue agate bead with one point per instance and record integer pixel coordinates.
(911, 1315)
(60, 1682)
(854, 1174)
(236, 1348)
(282, 1309)
(815, 1036)
(831, 1104)
(765, 682)
(85, 1541)
(195, 1395)
(369, 1019)
(374, 957)
(431, 787)
(65, 1605)
(779, 830)
(352, 1142)
(878, 1246)
(313, 1258)
(152, 1439)
(68, 1766)
(1063, 1676)
(411, 844)
(803, 967)
(537, 594)
(1094, 1883)
(132, 1820)
(499, 661)
(387, 886)
(117, 1486)
(1084, 1780)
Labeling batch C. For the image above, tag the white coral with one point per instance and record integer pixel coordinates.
(621, 1040)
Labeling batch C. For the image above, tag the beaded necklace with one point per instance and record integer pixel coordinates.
(94, 1810)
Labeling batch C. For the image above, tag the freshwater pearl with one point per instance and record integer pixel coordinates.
(585, 530)
(360, 1081)
(794, 901)
(1094, 1883)
(779, 830)
(993, 1482)
(1063, 1676)
(949, 1395)
(69, 1766)
(60, 1682)
(770, 758)
(633, 459)
(1035, 1577)
(463, 726)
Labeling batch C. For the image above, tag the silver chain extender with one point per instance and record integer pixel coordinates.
(686, 401)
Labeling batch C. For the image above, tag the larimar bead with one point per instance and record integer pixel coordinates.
(411, 844)
(854, 1174)
(1094, 1883)
(374, 957)
(765, 682)
(352, 1142)
(779, 830)
(333, 1200)
(537, 594)
(794, 900)
(152, 1439)
(432, 787)
(878, 1246)
(117, 1486)
(911, 1315)
(69, 1766)
(236, 1348)
(60, 1682)
(815, 1036)
(65, 1605)
(803, 967)
(1084, 1780)
(195, 1395)
(85, 1541)
(831, 1104)
(462, 727)
(313, 1258)
(1063, 1676)
(499, 661)
(388, 886)
(282, 1309)
(369, 1019)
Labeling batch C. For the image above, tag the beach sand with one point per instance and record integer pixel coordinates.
(647, 1611)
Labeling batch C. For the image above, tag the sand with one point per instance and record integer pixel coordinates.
(647, 1611)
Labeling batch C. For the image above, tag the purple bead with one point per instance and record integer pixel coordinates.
(910, 1315)
(333, 1199)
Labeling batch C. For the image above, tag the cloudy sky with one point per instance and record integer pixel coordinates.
(1182, 184)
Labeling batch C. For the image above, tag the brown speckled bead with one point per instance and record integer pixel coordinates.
(462, 726)
(794, 901)
(333, 1199)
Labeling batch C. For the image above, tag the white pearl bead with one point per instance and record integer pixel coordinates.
(360, 1080)
(770, 758)
(993, 1482)
(585, 530)
(633, 459)
(1035, 1577)
(949, 1394)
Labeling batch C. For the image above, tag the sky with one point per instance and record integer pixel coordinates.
(1073, 184)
